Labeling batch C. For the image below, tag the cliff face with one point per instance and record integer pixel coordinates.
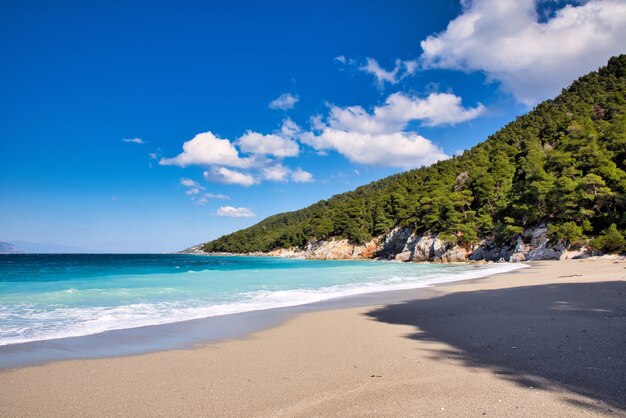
(402, 244)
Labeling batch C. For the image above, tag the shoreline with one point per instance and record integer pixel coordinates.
(190, 333)
(507, 344)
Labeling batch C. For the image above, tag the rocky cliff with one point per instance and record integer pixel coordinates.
(402, 244)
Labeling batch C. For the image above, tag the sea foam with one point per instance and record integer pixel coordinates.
(94, 302)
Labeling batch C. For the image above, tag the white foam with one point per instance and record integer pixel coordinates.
(74, 322)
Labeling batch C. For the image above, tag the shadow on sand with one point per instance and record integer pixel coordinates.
(571, 336)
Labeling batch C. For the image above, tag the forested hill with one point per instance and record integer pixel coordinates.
(562, 164)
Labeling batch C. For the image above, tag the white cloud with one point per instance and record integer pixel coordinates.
(301, 176)
(270, 144)
(531, 59)
(216, 196)
(285, 101)
(233, 212)
(382, 76)
(134, 140)
(401, 70)
(224, 175)
(207, 149)
(153, 155)
(398, 110)
(276, 172)
(375, 137)
(250, 152)
(399, 149)
(410, 67)
(193, 187)
(340, 58)
(436, 109)
(379, 137)
(289, 129)
(207, 196)
(189, 182)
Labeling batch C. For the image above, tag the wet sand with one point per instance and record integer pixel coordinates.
(549, 340)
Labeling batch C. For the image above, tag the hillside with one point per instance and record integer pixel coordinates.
(8, 248)
(563, 165)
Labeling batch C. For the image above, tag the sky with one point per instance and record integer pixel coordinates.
(154, 126)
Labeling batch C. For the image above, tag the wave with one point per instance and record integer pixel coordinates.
(24, 323)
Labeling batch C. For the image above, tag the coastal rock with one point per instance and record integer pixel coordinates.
(403, 256)
(540, 250)
(196, 249)
(411, 247)
(428, 248)
(520, 251)
(517, 257)
(582, 252)
(331, 250)
(488, 250)
(455, 254)
(438, 248)
(395, 242)
(423, 248)
(402, 244)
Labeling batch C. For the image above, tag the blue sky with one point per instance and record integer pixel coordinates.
(145, 126)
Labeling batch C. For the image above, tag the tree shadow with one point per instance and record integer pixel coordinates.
(571, 336)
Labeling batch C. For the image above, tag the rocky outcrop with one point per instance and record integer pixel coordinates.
(402, 244)
(337, 249)
(396, 241)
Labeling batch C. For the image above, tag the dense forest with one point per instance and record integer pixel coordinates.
(563, 164)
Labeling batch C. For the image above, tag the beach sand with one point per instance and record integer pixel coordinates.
(548, 340)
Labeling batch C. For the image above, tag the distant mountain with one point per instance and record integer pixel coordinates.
(8, 248)
(14, 247)
(561, 167)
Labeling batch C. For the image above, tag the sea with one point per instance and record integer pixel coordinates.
(52, 296)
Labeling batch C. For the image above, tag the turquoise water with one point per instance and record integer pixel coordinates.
(45, 296)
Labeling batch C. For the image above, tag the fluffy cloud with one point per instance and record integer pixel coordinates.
(399, 149)
(301, 176)
(285, 101)
(252, 151)
(399, 109)
(379, 138)
(233, 212)
(270, 144)
(208, 149)
(532, 59)
(225, 175)
(375, 137)
(276, 172)
(134, 140)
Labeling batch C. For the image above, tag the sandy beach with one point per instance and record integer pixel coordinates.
(548, 340)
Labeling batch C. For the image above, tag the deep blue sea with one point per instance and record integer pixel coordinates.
(46, 296)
